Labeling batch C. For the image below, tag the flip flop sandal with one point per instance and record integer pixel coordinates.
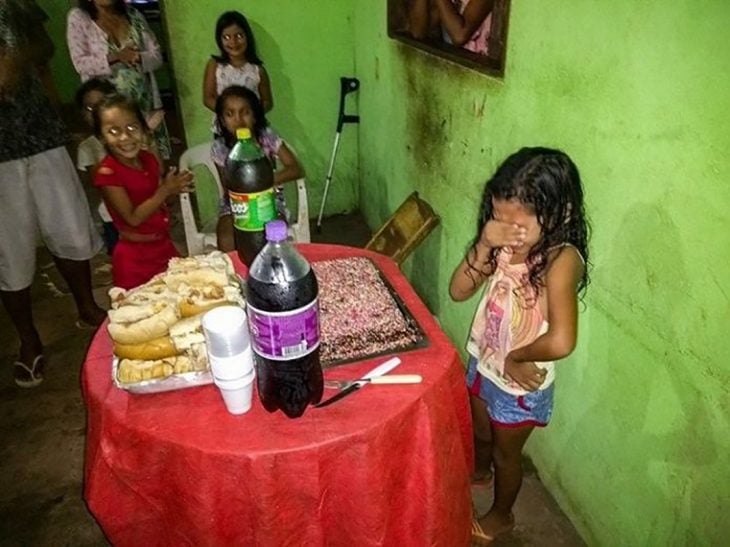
(34, 377)
(478, 537)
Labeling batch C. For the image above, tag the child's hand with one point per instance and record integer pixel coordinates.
(154, 119)
(526, 373)
(178, 182)
(502, 234)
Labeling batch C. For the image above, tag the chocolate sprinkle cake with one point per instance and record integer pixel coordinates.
(358, 315)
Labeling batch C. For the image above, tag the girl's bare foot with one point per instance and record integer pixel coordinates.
(495, 524)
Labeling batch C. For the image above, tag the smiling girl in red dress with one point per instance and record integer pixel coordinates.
(129, 181)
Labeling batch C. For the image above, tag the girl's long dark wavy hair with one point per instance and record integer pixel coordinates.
(547, 182)
(89, 7)
(235, 18)
(249, 96)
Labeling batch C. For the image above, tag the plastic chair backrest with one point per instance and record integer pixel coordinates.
(197, 240)
(405, 230)
(299, 230)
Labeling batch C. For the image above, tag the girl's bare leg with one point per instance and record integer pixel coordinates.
(482, 440)
(507, 454)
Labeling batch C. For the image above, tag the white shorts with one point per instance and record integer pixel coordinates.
(41, 195)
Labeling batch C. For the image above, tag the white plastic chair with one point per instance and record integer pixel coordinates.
(199, 242)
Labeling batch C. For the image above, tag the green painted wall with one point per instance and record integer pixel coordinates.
(63, 71)
(305, 48)
(637, 93)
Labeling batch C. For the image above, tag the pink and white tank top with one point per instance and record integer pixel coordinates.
(510, 315)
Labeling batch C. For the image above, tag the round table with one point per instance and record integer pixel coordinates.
(388, 465)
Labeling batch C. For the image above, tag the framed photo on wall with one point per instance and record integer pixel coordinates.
(472, 33)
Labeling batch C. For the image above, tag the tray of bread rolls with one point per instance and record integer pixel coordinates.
(156, 328)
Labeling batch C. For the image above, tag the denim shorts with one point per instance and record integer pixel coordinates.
(507, 410)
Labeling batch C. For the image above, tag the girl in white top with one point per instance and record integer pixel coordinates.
(237, 64)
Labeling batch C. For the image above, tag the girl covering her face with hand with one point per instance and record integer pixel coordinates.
(530, 250)
(129, 180)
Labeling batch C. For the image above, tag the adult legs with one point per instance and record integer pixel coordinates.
(18, 306)
(507, 454)
(77, 274)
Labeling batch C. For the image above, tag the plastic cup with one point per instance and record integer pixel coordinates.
(226, 331)
(233, 367)
(237, 394)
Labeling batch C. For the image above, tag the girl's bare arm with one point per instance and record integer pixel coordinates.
(474, 269)
(267, 98)
(209, 89)
(117, 197)
(562, 279)
(419, 18)
(471, 273)
(461, 26)
(291, 170)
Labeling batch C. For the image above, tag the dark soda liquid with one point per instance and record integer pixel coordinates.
(249, 177)
(248, 244)
(289, 385)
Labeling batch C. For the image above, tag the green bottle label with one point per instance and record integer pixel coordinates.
(252, 211)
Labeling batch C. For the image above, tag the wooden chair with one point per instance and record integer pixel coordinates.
(405, 230)
(203, 239)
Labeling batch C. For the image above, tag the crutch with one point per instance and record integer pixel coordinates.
(347, 85)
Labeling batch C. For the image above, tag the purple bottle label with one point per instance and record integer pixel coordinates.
(283, 336)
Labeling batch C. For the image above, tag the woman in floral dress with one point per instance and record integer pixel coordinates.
(108, 39)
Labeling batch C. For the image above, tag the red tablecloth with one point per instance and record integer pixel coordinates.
(388, 465)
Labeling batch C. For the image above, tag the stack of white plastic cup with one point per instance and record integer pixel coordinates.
(230, 357)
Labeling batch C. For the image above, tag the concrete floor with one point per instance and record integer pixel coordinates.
(43, 429)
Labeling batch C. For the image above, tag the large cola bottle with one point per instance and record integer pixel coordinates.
(283, 313)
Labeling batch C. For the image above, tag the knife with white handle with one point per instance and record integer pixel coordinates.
(390, 379)
(378, 371)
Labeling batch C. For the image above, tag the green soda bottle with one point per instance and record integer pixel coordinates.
(249, 181)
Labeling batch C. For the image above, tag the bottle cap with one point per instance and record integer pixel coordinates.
(243, 133)
(276, 230)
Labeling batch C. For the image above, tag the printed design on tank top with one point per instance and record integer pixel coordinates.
(511, 316)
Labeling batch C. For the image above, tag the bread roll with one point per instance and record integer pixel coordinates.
(143, 330)
(200, 276)
(158, 348)
(190, 309)
(186, 332)
(131, 371)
